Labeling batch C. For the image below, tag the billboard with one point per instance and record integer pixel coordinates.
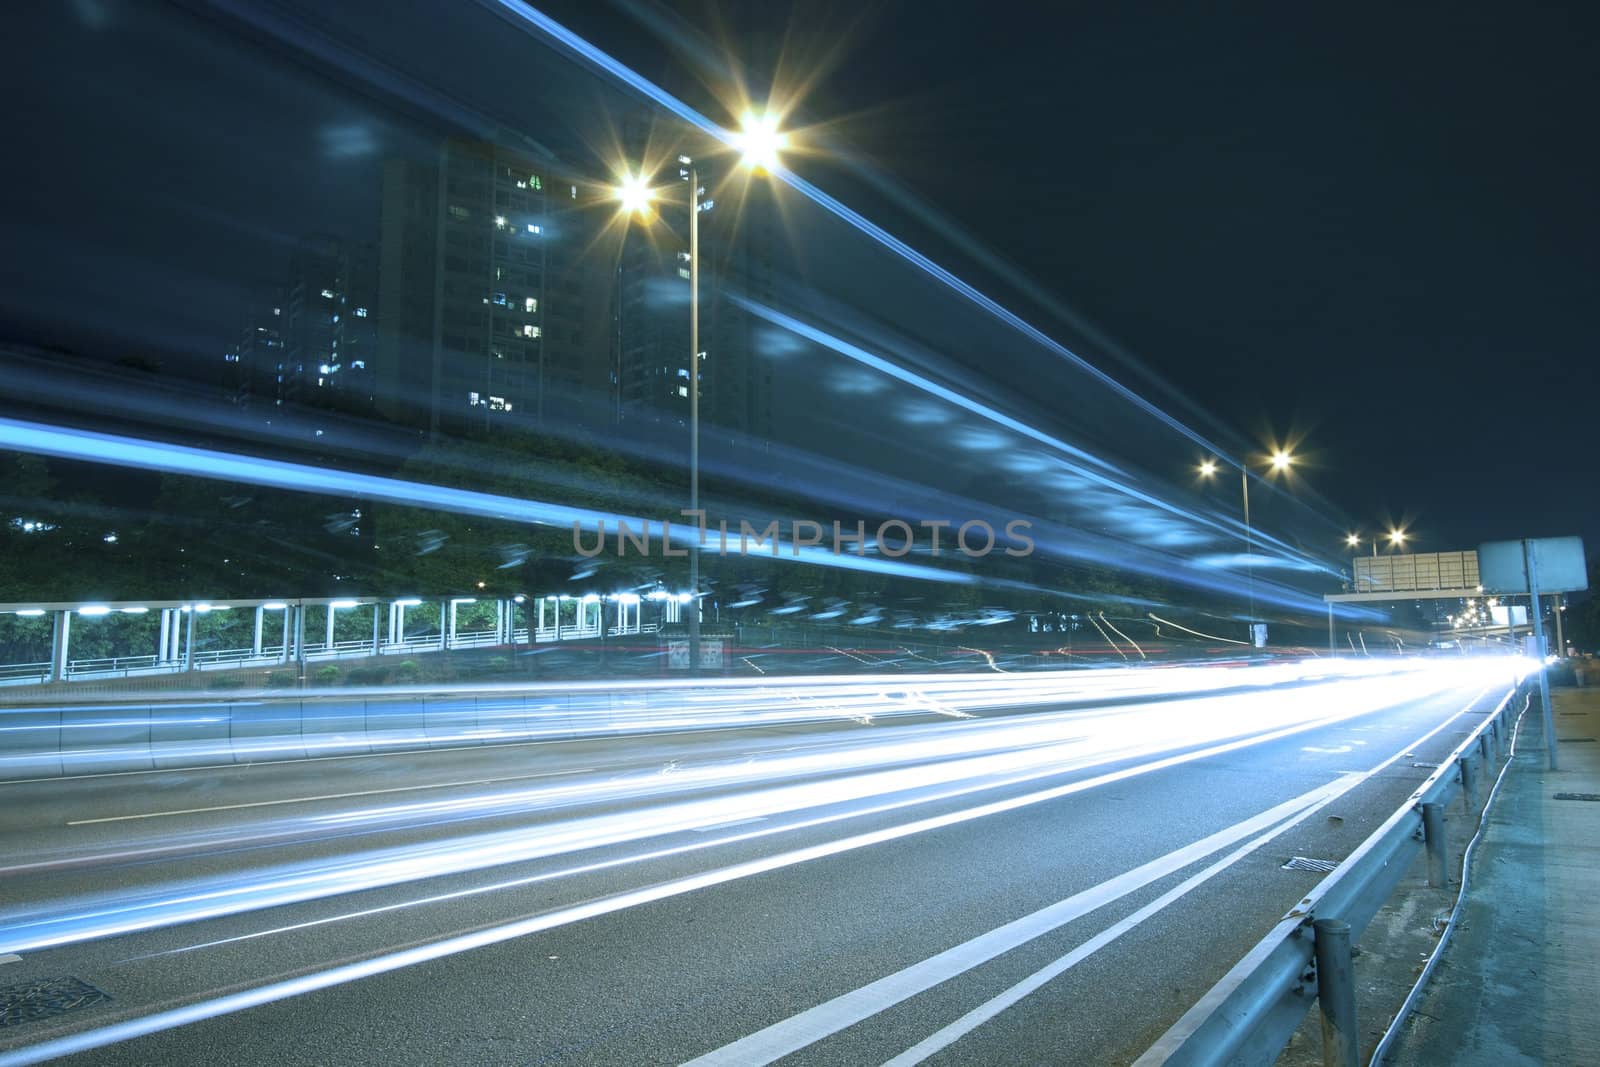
(1416, 571)
(1558, 565)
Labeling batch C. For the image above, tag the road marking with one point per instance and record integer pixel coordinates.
(808, 1027)
(725, 825)
(273, 992)
(327, 796)
(10, 957)
(993, 1007)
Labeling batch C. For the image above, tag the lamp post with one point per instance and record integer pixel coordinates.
(759, 142)
(1279, 462)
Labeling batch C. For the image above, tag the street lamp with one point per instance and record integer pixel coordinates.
(759, 142)
(1280, 462)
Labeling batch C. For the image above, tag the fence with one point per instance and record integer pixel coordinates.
(1250, 1014)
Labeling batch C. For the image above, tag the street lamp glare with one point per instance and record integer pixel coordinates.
(1208, 468)
(1397, 536)
(1281, 460)
(635, 194)
(1352, 540)
(759, 141)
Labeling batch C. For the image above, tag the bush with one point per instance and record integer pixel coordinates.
(328, 675)
(366, 675)
(499, 663)
(227, 681)
(408, 672)
(281, 680)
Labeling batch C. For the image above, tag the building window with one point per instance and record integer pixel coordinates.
(531, 331)
(683, 390)
(361, 313)
(327, 294)
(497, 403)
(459, 212)
(530, 305)
(535, 228)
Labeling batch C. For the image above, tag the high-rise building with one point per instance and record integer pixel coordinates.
(495, 301)
(329, 324)
(313, 342)
(253, 362)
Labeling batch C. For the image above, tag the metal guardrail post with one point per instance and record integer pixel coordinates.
(1433, 839)
(1485, 758)
(1469, 782)
(1336, 994)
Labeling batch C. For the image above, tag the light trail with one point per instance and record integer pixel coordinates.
(140, 454)
(973, 756)
(599, 59)
(280, 990)
(426, 718)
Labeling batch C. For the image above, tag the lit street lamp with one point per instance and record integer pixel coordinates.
(759, 142)
(1397, 538)
(1280, 462)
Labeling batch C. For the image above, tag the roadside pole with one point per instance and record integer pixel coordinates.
(1531, 560)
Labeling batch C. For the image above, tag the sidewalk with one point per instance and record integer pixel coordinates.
(1518, 982)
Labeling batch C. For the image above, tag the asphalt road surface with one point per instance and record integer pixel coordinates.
(1015, 883)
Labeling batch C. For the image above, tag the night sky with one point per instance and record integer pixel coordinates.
(1370, 231)
(1373, 228)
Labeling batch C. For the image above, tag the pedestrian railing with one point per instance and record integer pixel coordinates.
(1250, 1014)
(24, 673)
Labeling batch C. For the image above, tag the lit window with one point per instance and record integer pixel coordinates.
(277, 311)
(327, 294)
(531, 331)
(361, 313)
(683, 372)
(508, 406)
(497, 403)
(530, 305)
(358, 364)
(459, 212)
(472, 398)
(499, 298)
(535, 182)
(335, 316)
(322, 369)
(683, 390)
(574, 192)
(535, 228)
(500, 222)
(683, 272)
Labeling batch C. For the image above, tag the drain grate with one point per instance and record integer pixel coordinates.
(1577, 796)
(1306, 863)
(28, 1001)
(1575, 740)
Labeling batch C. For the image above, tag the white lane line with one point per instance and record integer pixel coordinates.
(329, 796)
(10, 957)
(796, 1032)
(283, 990)
(725, 825)
(989, 1009)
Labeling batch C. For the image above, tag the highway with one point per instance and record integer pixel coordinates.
(1047, 870)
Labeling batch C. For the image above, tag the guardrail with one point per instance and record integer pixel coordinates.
(1250, 1014)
